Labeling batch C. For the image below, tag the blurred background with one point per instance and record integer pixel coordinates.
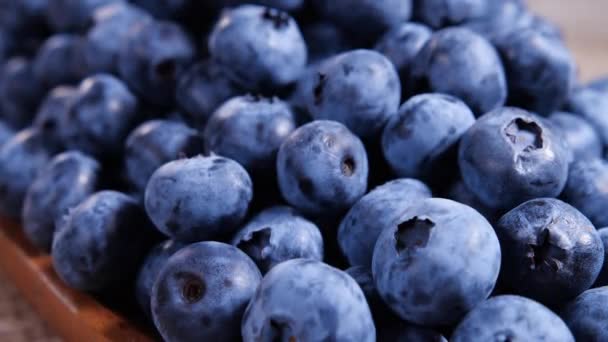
(585, 27)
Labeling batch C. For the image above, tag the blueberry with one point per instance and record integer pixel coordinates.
(540, 70)
(587, 315)
(198, 198)
(592, 104)
(459, 62)
(358, 88)
(551, 252)
(153, 56)
(21, 159)
(20, 93)
(322, 168)
(330, 306)
(6, 133)
(324, 39)
(436, 262)
(154, 143)
(585, 189)
(366, 18)
(202, 89)
(60, 60)
(442, 13)
(250, 130)
(202, 292)
(401, 45)
(582, 138)
(63, 183)
(278, 234)
(511, 318)
(105, 39)
(101, 242)
(504, 17)
(261, 48)
(426, 128)
(510, 155)
(360, 228)
(73, 15)
(602, 278)
(101, 115)
(150, 269)
(53, 113)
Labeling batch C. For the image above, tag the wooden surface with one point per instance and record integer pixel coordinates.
(586, 32)
(73, 315)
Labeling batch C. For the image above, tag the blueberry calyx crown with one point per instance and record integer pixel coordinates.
(545, 253)
(525, 135)
(413, 233)
(279, 18)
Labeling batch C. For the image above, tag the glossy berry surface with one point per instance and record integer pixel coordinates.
(322, 168)
(62, 184)
(436, 262)
(199, 198)
(250, 130)
(207, 285)
(330, 305)
(101, 242)
(278, 234)
(551, 252)
(511, 318)
(510, 155)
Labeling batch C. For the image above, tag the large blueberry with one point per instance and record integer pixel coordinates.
(101, 242)
(105, 39)
(322, 168)
(586, 189)
(73, 15)
(21, 159)
(156, 142)
(278, 234)
(53, 113)
(540, 70)
(436, 262)
(153, 56)
(250, 130)
(551, 252)
(20, 92)
(102, 113)
(261, 48)
(366, 18)
(587, 315)
(602, 278)
(149, 271)
(364, 222)
(592, 104)
(419, 137)
(63, 183)
(510, 156)
(359, 88)
(60, 60)
(511, 318)
(202, 89)
(330, 306)
(459, 62)
(442, 13)
(202, 292)
(582, 138)
(199, 198)
(401, 45)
